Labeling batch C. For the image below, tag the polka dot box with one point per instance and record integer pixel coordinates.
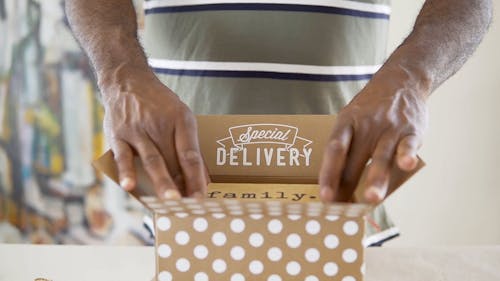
(261, 218)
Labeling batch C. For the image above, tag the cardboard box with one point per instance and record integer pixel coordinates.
(262, 218)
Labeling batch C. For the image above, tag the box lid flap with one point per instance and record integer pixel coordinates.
(258, 149)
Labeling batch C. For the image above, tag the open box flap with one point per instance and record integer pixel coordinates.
(258, 152)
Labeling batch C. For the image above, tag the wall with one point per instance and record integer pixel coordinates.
(50, 130)
(455, 200)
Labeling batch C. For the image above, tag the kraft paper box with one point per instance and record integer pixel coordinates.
(262, 218)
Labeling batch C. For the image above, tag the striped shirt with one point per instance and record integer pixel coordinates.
(266, 56)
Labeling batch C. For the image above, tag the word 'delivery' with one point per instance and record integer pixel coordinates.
(264, 157)
(264, 145)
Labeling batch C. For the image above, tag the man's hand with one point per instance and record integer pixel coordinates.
(144, 117)
(384, 123)
(386, 120)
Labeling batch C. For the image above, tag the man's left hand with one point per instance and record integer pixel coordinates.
(382, 126)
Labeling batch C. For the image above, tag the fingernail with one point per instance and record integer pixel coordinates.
(127, 183)
(407, 162)
(326, 193)
(171, 194)
(374, 194)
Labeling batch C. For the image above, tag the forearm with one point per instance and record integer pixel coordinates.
(382, 127)
(445, 34)
(107, 31)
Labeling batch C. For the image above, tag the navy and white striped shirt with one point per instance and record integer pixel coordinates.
(266, 56)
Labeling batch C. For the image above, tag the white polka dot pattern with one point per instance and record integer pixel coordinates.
(293, 240)
(313, 227)
(182, 265)
(200, 252)
(274, 254)
(200, 224)
(312, 255)
(163, 223)
(165, 276)
(237, 225)
(293, 268)
(182, 238)
(349, 255)
(350, 228)
(275, 226)
(224, 240)
(256, 267)
(311, 278)
(237, 277)
(331, 241)
(219, 266)
(237, 253)
(256, 216)
(201, 276)
(274, 277)
(330, 269)
(164, 251)
(256, 239)
(219, 239)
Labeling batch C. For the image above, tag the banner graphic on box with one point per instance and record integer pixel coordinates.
(292, 149)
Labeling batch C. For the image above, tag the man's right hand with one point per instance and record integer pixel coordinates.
(142, 117)
(145, 118)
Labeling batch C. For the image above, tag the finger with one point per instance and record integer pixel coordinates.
(166, 146)
(190, 160)
(205, 171)
(333, 161)
(407, 152)
(155, 167)
(379, 169)
(356, 159)
(124, 159)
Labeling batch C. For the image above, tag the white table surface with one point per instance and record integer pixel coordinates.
(110, 263)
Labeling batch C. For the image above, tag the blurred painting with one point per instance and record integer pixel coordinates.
(50, 131)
